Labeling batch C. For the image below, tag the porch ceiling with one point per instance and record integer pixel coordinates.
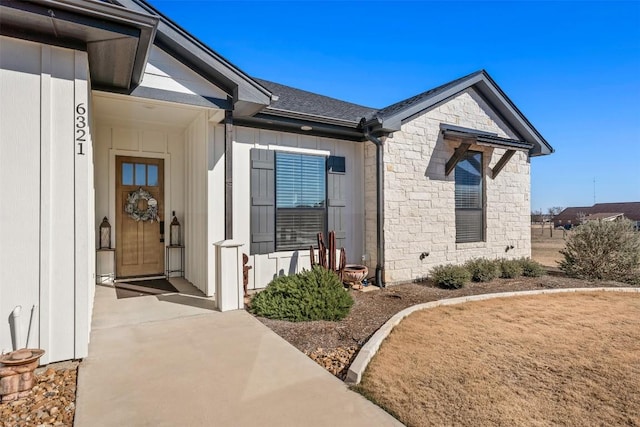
(130, 109)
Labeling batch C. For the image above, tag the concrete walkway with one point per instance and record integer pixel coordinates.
(174, 361)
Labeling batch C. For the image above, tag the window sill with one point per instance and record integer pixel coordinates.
(471, 245)
(288, 254)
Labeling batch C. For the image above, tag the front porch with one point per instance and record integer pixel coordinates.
(171, 152)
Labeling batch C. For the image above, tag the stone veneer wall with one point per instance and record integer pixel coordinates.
(419, 198)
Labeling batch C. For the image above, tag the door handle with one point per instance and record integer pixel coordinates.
(161, 231)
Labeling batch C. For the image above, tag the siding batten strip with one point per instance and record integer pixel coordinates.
(81, 207)
(44, 338)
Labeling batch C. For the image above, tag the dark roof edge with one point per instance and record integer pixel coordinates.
(518, 113)
(144, 22)
(249, 96)
(483, 138)
(392, 121)
(311, 117)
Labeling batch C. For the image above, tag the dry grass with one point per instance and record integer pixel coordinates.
(545, 248)
(567, 359)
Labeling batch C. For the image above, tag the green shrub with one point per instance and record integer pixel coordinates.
(450, 276)
(510, 268)
(482, 269)
(531, 268)
(315, 294)
(602, 250)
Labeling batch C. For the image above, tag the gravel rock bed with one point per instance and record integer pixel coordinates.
(51, 402)
(334, 345)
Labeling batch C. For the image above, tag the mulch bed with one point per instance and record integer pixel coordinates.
(334, 345)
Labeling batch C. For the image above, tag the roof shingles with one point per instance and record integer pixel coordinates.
(300, 101)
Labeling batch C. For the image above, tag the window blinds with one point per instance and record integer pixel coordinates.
(469, 198)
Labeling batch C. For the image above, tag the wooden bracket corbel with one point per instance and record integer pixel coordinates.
(455, 158)
(501, 163)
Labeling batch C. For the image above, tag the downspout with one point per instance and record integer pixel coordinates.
(379, 205)
(228, 174)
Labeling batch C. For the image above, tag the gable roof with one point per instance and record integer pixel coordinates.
(631, 210)
(121, 46)
(390, 119)
(248, 96)
(288, 101)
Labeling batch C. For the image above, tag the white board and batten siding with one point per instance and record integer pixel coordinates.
(267, 266)
(46, 189)
(166, 73)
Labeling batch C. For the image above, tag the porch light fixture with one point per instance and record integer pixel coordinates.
(174, 231)
(105, 234)
(305, 127)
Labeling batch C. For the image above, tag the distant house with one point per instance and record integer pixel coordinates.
(604, 211)
(570, 216)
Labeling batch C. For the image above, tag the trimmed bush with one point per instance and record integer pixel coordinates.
(482, 269)
(450, 276)
(531, 268)
(602, 250)
(510, 268)
(315, 294)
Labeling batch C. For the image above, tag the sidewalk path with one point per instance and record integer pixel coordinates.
(205, 368)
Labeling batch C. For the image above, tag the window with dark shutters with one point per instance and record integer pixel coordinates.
(469, 198)
(306, 196)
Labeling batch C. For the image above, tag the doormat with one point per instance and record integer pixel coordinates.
(144, 288)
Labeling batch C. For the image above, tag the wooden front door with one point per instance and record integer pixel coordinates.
(139, 244)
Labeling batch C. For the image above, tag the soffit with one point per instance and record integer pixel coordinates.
(117, 41)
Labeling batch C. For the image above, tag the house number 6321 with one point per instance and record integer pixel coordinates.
(81, 125)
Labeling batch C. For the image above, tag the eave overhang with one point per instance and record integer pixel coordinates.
(483, 138)
(469, 137)
(248, 97)
(117, 40)
(295, 123)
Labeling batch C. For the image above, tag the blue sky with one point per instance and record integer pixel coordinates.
(573, 68)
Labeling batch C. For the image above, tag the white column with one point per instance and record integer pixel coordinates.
(229, 291)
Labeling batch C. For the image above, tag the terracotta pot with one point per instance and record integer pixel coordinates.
(354, 274)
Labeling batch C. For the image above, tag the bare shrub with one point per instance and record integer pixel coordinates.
(607, 250)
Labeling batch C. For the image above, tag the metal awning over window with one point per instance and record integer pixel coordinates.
(469, 137)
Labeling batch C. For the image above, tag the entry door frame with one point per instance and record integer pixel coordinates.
(112, 189)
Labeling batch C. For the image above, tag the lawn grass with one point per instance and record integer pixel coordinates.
(545, 248)
(564, 359)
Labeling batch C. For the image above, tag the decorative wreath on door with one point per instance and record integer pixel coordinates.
(132, 209)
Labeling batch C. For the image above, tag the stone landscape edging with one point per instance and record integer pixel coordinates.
(366, 353)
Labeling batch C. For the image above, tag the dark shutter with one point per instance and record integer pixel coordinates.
(262, 202)
(337, 199)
